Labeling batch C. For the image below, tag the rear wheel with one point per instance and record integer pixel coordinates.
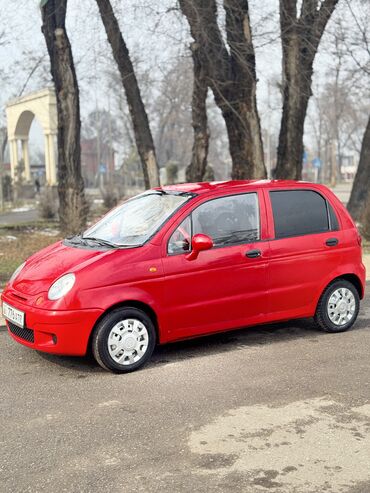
(338, 307)
(124, 340)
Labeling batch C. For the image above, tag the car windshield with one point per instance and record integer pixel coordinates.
(136, 220)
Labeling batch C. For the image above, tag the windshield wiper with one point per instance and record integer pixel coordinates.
(76, 239)
(100, 241)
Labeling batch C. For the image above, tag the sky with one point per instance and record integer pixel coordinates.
(155, 33)
(147, 35)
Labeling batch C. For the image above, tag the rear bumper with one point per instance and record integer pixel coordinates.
(64, 332)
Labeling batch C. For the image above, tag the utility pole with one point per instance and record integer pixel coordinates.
(110, 145)
(333, 159)
(2, 148)
(98, 149)
(268, 136)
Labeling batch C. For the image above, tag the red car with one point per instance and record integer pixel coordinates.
(187, 260)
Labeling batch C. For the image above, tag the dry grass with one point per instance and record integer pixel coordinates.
(366, 246)
(17, 244)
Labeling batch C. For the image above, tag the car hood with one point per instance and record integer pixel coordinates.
(47, 265)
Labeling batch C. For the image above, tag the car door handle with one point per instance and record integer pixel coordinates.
(253, 253)
(332, 242)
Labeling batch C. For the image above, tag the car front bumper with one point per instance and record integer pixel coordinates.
(64, 332)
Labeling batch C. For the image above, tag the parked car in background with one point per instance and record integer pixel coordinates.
(188, 260)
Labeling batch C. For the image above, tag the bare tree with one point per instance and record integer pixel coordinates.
(300, 37)
(72, 203)
(231, 74)
(364, 172)
(335, 119)
(359, 203)
(360, 190)
(140, 122)
(197, 168)
(172, 107)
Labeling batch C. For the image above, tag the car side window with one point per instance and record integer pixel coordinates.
(180, 241)
(301, 212)
(231, 220)
(334, 225)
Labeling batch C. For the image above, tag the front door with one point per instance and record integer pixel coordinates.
(225, 287)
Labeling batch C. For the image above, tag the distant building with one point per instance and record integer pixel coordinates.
(95, 172)
(348, 167)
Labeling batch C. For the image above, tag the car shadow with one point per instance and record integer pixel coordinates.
(83, 364)
(236, 339)
(232, 340)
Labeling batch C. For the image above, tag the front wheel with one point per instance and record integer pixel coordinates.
(124, 340)
(338, 307)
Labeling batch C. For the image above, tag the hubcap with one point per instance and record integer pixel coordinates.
(128, 341)
(341, 306)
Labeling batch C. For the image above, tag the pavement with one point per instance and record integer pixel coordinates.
(281, 409)
(19, 216)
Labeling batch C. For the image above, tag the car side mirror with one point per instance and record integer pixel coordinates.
(199, 243)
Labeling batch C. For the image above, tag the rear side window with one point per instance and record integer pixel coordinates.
(334, 225)
(301, 212)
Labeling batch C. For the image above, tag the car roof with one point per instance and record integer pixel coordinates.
(234, 185)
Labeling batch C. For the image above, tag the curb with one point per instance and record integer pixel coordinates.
(366, 262)
(2, 321)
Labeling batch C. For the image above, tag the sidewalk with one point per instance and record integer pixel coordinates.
(365, 259)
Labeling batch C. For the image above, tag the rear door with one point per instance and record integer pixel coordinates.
(305, 248)
(224, 287)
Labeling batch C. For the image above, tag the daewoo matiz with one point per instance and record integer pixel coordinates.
(187, 260)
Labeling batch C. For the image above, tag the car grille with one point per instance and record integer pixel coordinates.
(22, 333)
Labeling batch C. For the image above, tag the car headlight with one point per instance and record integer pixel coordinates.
(61, 287)
(17, 271)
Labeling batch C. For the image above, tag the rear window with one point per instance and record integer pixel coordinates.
(301, 212)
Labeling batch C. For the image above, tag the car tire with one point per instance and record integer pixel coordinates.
(123, 340)
(338, 307)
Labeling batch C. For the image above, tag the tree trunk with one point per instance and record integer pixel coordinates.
(231, 74)
(361, 185)
(243, 125)
(139, 117)
(72, 203)
(244, 141)
(290, 147)
(197, 168)
(300, 38)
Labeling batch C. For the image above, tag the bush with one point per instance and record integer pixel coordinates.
(7, 188)
(110, 196)
(172, 173)
(48, 204)
(209, 175)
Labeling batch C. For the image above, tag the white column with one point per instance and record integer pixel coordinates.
(47, 160)
(53, 168)
(26, 159)
(13, 157)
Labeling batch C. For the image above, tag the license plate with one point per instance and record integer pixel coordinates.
(13, 315)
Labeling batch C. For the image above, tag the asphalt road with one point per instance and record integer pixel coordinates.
(12, 218)
(282, 409)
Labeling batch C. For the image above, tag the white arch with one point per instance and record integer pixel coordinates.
(20, 113)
